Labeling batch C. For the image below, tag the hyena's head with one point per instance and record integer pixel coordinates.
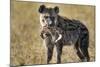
(48, 16)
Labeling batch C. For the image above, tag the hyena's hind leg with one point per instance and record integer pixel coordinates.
(82, 47)
(84, 44)
(78, 52)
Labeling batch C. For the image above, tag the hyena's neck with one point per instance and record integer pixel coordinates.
(51, 30)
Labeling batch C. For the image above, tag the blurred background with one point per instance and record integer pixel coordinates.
(27, 47)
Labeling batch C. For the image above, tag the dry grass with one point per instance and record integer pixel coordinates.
(27, 46)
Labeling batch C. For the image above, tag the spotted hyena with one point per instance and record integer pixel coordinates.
(70, 32)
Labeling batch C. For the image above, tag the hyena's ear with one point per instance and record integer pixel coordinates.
(41, 8)
(56, 9)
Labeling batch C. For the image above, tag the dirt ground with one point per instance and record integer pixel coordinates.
(27, 47)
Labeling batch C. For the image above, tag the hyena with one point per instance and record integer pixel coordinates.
(73, 32)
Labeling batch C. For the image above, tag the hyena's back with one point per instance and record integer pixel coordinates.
(74, 30)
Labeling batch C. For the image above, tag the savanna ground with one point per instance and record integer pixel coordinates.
(26, 44)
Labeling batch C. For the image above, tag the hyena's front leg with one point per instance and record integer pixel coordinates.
(50, 47)
(49, 52)
(59, 52)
